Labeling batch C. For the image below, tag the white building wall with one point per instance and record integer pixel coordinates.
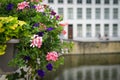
(91, 21)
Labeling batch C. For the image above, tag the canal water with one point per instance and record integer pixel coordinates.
(88, 67)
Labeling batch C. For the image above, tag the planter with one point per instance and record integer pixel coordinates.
(4, 59)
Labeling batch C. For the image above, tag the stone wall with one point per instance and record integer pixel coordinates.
(96, 47)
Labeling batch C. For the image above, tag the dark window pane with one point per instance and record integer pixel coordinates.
(98, 2)
(60, 1)
(79, 1)
(106, 1)
(50, 1)
(115, 1)
(70, 1)
(88, 2)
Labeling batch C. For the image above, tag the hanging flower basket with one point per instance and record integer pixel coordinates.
(38, 29)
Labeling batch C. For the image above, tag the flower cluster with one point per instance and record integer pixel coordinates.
(52, 56)
(39, 8)
(40, 42)
(37, 41)
(23, 5)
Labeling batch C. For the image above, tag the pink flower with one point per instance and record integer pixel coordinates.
(35, 0)
(53, 56)
(63, 24)
(36, 41)
(22, 5)
(39, 8)
(64, 32)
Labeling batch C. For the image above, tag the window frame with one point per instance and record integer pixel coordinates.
(88, 30)
(114, 2)
(106, 14)
(115, 33)
(70, 13)
(106, 31)
(98, 1)
(49, 1)
(79, 1)
(115, 13)
(88, 13)
(79, 30)
(88, 1)
(97, 12)
(61, 9)
(97, 32)
(79, 13)
(70, 1)
(60, 1)
(106, 1)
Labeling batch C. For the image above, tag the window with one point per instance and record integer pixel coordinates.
(50, 1)
(97, 31)
(106, 13)
(70, 13)
(79, 13)
(70, 31)
(115, 30)
(88, 1)
(88, 13)
(79, 30)
(115, 1)
(106, 30)
(88, 30)
(60, 1)
(70, 1)
(79, 1)
(60, 11)
(97, 13)
(98, 1)
(106, 1)
(115, 13)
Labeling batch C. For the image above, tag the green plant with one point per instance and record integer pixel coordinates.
(40, 43)
(10, 27)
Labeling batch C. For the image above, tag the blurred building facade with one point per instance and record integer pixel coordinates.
(89, 20)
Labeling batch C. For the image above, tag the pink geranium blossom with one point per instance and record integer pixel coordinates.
(36, 41)
(39, 8)
(53, 56)
(64, 32)
(23, 5)
(63, 24)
